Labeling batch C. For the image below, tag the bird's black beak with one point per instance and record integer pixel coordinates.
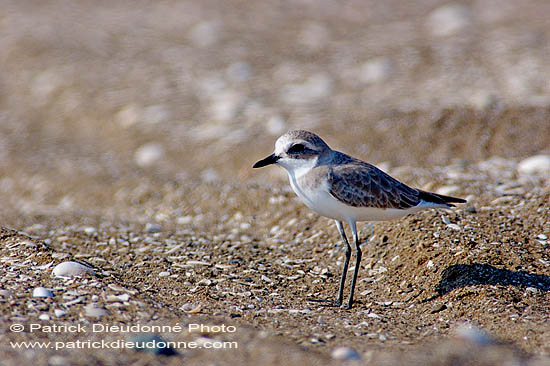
(271, 159)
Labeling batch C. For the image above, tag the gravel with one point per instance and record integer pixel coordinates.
(127, 189)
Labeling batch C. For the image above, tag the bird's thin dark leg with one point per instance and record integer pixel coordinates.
(340, 227)
(357, 263)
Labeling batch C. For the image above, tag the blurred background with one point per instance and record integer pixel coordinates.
(96, 93)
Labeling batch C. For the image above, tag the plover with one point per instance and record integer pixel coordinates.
(346, 189)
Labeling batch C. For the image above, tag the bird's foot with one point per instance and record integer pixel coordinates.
(327, 302)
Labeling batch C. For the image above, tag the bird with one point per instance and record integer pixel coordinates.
(347, 190)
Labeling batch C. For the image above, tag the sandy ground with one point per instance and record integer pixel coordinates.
(127, 136)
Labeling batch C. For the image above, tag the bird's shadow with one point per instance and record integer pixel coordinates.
(463, 275)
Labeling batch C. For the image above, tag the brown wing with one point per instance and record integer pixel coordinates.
(360, 184)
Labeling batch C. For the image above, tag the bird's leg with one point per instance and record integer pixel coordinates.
(346, 263)
(357, 263)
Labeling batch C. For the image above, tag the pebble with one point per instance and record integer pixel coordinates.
(449, 20)
(41, 292)
(128, 115)
(70, 269)
(121, 298)
(375, 70)
(160, 345)
(152, 228)
(59, 313)
(90, 230)
(164, 274)
(44, 317)
(204, 282)
(471, 333)
(184, 220)
(535, 165)
(202, 263)
(4, 293)
(149, 154)
(94, 310)
(345, 354)
(191, 308)
(454, 227)
(542, 236)
(57, 360)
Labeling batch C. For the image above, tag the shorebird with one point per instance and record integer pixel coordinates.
(346, 189)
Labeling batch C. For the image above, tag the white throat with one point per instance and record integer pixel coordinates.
(297, 167)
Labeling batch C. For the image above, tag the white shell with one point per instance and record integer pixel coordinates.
(41, 292)
(70, 269)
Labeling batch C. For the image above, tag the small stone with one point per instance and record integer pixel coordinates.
(152, 343)
(164, 274)
(70, 269)
(535, 165)
(345, 354)
(542, 236)
(152, 228)
(184, 220)
(41, 292)
(128, 116)
(59, 313)
(44, 317)
(449, 20)
(57, 360)
(149, 154)
(115, 298)
(375, 70)
(4, 293)
(471, 333)
(194, 263)
(454, 227)
(204, 282)
(94, 310)
(90, 230)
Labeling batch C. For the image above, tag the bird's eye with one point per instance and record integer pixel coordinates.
(294, 149)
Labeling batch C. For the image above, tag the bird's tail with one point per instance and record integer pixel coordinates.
(431, 197)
